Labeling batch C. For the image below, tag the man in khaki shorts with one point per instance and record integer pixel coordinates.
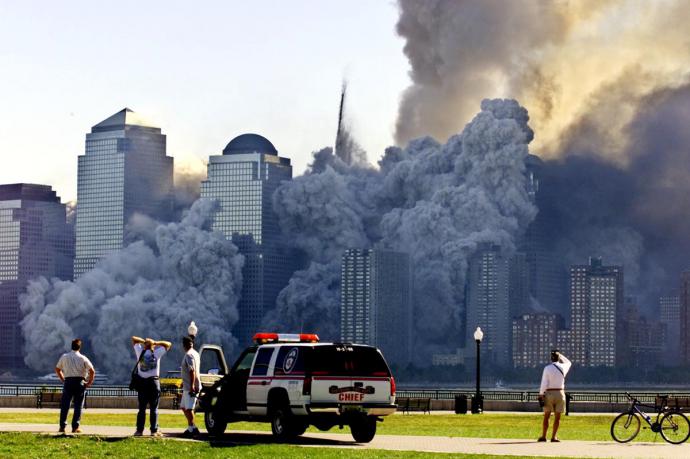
(552, 392)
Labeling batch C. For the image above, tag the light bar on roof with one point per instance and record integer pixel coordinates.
(263, 338)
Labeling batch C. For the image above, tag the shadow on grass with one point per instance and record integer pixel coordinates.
(89, 437)
(247, 439)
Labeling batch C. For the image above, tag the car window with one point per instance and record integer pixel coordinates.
(245, 360)
(263, 358)
(211, 362)
(346, 360)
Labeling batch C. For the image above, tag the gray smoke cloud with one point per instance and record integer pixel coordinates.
(609, 112)
(438, 202)
(174, 273)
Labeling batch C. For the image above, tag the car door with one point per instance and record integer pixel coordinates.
(260, 381)
(239, 377)
(213, 365)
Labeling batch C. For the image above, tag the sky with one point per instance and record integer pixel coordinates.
(204, 73)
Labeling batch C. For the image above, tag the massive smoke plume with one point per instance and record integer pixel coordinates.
(438, 202)
(605, 83)
(173, 273)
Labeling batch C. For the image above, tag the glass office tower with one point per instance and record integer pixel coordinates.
(124, 171)
(35, 240)
(243, 180)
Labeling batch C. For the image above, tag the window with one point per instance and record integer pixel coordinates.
(263, 358)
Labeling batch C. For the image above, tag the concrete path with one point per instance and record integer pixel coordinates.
(409, 443)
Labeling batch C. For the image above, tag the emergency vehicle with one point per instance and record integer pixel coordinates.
(294, 381)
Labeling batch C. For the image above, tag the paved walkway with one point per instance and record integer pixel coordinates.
(411, 443)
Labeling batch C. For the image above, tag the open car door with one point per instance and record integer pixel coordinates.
(213, 365)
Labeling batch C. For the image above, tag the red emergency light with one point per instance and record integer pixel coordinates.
(263, 338)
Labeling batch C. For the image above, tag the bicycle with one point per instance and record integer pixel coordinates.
(671, 423)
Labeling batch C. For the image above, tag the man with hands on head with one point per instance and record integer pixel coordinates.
(149, 353)
(552, 392)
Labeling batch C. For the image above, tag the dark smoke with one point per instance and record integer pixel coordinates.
(438, 202)
(175, 273)
(346, 148)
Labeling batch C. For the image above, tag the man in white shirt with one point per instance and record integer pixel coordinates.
(77, 374)
(191, 384)
(149, 353)
(552, 392)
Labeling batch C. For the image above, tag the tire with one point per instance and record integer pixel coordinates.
(364, 429)
(215, 422)
(625, 427)
(675, 427)
(282, 425)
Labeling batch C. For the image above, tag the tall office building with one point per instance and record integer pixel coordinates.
(669, 315)
(642, 340)
(124, 171)
(488, 304)
(596, 302)
(243, 180)
(547, 276)
(376, 305)
(35, 240)
(534, 336)
(684, 295)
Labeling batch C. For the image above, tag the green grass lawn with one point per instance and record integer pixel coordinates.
(27, 445)
(487, 425)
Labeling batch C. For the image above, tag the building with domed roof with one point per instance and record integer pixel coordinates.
(243, 180)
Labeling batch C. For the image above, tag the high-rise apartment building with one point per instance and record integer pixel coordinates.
(488, 304)
(642, 339)
(669, 315)
(35, 240)
(535, 335)
(376, 302)
(596, 301)
(123, 171)
(243, 180)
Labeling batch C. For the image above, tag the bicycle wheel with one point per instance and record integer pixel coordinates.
(675, 427)
(625, 427)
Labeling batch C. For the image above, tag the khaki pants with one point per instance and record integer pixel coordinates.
(554, 401)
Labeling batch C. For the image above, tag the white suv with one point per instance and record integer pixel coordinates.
(293, 381)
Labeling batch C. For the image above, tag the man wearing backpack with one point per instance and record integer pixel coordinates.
(552, 392)
(149, 353)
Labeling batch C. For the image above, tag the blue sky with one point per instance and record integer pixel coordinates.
(203, 71)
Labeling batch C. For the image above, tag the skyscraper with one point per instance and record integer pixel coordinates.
(123, 171)
(243, 180)
(534, 336)
(669, 315)
(375, 305)
(596, 302)
(488, 304)
(35, 240)
(685, 318)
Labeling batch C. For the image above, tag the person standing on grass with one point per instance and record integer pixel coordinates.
(191, 384)
(77, 374)
(149, 353)
(552, 392)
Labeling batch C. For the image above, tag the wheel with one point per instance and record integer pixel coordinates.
(363, 430)
(675, 427)
(215, 422)
(283, 426)
(625, 427)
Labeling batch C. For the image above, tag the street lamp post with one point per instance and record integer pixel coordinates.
(477, 402)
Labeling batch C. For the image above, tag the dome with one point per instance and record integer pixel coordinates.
(250, 143)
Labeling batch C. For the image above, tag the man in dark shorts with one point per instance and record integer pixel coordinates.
(552, 392)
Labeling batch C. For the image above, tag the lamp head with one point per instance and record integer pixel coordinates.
(478, 334)
(192, 329)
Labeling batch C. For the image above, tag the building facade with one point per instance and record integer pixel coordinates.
(684, 295)
(643, 340)
(123, 171)
(242, 180)
(376, 302)
(488, 304)
(535, 335)
(596, 301)
(35, 240)
(669, 315)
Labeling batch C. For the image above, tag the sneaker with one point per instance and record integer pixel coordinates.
(138, 433)
(76, 430)
(156, 434)
(187, 434)
(61, 430)
(540, 439)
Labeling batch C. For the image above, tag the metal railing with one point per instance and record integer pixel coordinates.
(15, 390)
